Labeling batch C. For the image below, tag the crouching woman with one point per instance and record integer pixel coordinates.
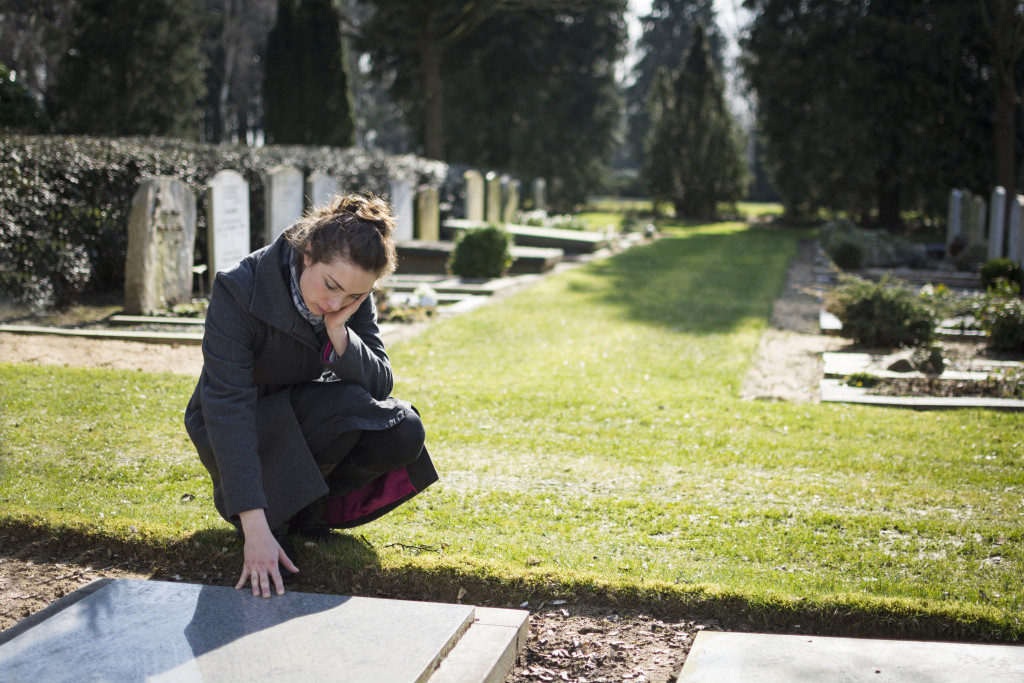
(293, 415)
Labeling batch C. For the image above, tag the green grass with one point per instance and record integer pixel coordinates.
(592, 446)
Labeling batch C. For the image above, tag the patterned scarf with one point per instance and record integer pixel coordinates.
(317, 321)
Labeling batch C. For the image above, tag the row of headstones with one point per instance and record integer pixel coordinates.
(968, 229)
(161, 230)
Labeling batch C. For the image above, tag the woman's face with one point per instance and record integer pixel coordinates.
(329, 287)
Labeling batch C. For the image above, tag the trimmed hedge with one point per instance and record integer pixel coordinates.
(65, 201)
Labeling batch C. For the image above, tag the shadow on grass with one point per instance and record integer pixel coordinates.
(702, 283)
(349, 565)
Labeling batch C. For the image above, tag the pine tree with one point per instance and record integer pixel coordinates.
(308, 99)
(132, 68)
(695, 142)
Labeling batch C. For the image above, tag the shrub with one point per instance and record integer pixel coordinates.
(482, 252)
(853, 247)
(1002, 316)
(1001, 268)
(881, 314)
(65, 201)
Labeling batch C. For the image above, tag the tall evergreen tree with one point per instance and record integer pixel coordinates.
(306, 90)
(872, 108)
(698, 136)
(132, 68)
(660, 145)
(666, 33)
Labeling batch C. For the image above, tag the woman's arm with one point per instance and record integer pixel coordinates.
(360, 356)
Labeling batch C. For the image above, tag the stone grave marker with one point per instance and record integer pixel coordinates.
(954, 226)
(284, 201)
(161, 240)
(493, 204)
(157, 631)
(402, 207)
(320, 188)
(474, 195)
(227, 221)
(967, 219)
(428, 215)
(1015, 236)
(508, 214)
(997, 223)
(978, 222)
(540, 194)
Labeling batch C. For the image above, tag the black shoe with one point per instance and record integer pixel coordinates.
(286, 545)
(309, 522)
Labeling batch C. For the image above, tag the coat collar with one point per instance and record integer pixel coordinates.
(271, 294)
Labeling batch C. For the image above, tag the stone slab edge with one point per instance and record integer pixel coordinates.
(52, 610)
(487, 652)
(834, 391)
(148, 337)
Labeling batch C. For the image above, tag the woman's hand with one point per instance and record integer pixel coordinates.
(335, 323)
(262, 554)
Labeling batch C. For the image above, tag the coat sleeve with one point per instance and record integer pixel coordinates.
(365, 361)
(229, 396)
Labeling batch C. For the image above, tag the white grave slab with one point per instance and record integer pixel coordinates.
(227, 221)
(474, 195)
(997, 223)
(954, 225)
(320, 188)
(402, 207)
(1015, 236)
(283, 188)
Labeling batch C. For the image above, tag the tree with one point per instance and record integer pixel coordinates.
(533, 93)
(697, 136)
(307, 96)
(871, 108)
(132, 68)
(234, 47)
(19, 111)
(1004, 25)
(667, 33)
(659, 146)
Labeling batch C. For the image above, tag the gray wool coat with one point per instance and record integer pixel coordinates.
(255, 348)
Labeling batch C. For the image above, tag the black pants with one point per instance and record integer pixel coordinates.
(350, 459)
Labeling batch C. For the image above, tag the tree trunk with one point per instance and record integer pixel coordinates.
(1004, 29)
(433, 95)
(888, 201)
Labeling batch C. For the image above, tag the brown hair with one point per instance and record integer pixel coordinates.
(355, 227)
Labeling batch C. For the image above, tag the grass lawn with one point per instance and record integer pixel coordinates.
(592, 447)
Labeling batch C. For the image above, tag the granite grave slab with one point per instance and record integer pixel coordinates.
(130, 630)
(732, 657)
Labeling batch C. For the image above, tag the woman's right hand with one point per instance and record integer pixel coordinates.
(262, 554)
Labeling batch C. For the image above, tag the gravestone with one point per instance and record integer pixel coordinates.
(493, 205)
(402, 209)
(508, 215)
(474, 195)
(978, 223)
(954, 225)
(227, 221)
(428, 215)
(283, 190)
(320, 188)
(540, 194)
(124, 630)
(968, 219)
(1015, 236)
(997, 223)
(161, 240)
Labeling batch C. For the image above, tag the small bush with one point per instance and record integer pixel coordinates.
(1003, 268)
(881, 314)
(483, 252)
(853, 247)
(1002, 316)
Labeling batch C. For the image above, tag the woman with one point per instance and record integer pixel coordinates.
(292, 414)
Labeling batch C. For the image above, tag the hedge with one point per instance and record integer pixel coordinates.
(65, 201)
